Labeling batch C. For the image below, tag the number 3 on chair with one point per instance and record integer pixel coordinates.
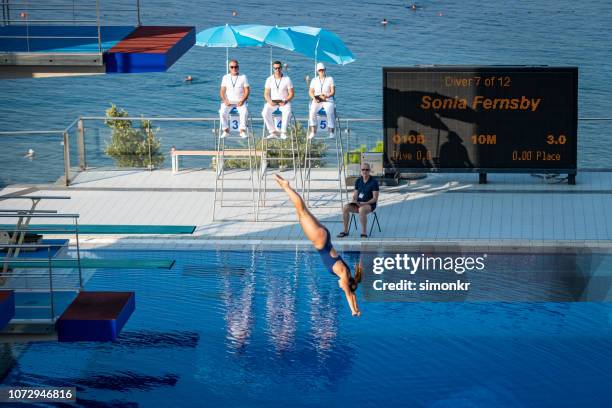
(234, 124)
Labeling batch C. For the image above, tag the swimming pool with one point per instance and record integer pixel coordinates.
(254, 328)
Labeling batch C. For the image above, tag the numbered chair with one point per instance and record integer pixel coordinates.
(336, 147)
(322, 125)
(353, 220)
(234, 121)
(237, 148)
(280, 154)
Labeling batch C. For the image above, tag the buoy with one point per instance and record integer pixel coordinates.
(413, 7)
(23, 14)
(307, 79)
(384, 21)
(440, 14)
(188, 78)
(286, 67)
(30, 153)
(234, 13)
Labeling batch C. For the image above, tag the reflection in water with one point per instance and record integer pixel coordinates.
(281, 304)
(118, 381)
(323, 311)
(238, 291)
(7, 359)
(150, 338)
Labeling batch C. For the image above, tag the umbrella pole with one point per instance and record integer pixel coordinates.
(271, 70)
(316, 53)
(226, 60)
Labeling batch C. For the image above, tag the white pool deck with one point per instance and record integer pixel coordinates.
(512, 209)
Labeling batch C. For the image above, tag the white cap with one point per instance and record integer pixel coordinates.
(320, 66)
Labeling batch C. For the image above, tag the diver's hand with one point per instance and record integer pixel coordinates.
(284, 184)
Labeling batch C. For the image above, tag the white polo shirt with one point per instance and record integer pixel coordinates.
(234, 86)
(279, 88)
(322, 86)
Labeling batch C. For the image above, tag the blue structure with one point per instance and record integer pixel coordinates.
(95, 316)
(118, 49)
(7, 307)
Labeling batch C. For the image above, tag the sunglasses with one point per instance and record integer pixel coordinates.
(365, 169)
(275, 68)
(233, 66)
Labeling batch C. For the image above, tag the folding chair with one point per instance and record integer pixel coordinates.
(353, 220)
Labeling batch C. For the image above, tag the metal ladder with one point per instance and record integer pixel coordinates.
(340, 166)
(237, 152)
(277, 151)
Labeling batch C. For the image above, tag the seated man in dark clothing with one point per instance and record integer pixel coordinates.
(364, 201)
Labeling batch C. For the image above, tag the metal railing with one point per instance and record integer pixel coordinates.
(21, 229)
(81, 124)
(58, 136)
(33, 13)
(22, 273)
(76, 133)
(28, 275)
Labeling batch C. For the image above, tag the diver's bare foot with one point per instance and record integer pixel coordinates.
(281, 181)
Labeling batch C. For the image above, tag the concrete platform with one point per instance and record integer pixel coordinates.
(512, 209)
(95, 316)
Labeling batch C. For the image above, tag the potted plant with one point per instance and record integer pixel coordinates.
(130, 146)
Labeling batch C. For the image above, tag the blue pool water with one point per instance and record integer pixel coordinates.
(468, 32)
(254, 328)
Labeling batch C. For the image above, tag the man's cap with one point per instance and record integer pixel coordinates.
(320, 66)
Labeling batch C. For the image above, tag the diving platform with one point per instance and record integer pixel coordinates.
(55, 50)
(95, 316)
(43, 293)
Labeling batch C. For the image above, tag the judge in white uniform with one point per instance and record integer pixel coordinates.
(278, 94)
(234, 93)
(322, 90)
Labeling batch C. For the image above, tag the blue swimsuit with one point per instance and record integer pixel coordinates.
(326, 257)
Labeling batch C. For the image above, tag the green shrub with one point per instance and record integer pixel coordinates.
(317, 152)
(354, 156)
(129, 146)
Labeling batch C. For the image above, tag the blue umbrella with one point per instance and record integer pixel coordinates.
(225, 36)
(319, 44)
(269, 35)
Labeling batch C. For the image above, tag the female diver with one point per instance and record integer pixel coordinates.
(321, 239)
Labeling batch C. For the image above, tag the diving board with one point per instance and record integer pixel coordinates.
(95, 316)
(41, 252)
(106, 229)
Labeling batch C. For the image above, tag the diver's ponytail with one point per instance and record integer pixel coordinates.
(358, 272)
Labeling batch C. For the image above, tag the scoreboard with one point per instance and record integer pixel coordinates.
(480, 119)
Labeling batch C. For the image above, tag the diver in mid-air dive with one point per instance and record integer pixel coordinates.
(321, 239)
